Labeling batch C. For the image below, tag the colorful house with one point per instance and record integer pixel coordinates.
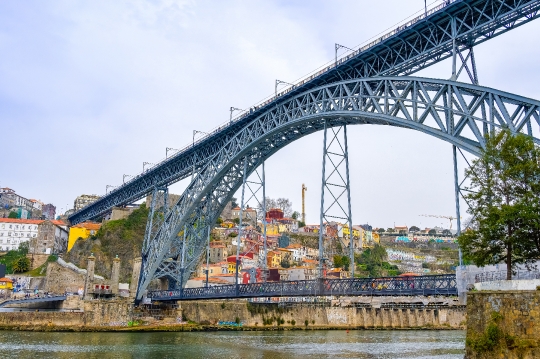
(83, 231)
(6, 284)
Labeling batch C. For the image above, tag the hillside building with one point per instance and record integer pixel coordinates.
(83, 200)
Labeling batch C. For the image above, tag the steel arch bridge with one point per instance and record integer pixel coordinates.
(454, 26)
(444, 109)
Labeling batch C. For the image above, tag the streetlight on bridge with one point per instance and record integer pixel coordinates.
(232, 109)
(279, 82)
(167, 149)
(124, 178)
(146, 163)
(107, 188)
(337, 47)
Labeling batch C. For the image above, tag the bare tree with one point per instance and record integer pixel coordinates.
(285, 205)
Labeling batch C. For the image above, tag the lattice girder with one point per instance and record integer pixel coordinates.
(444, 109)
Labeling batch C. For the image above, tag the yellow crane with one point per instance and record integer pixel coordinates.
(451, 218)
(304, 189)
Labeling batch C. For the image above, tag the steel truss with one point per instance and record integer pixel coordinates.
(442, 285)
(256, 187)
(335, 183)
(411, 47)
(447, 110)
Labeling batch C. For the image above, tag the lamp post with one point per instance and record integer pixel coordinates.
(107, 188)
(169, 149)
(124, 178)
(337, 47)
(144, 165)
(193, 145)
(279, 82)
(232, 109)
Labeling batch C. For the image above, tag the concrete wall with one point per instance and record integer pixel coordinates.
(503, 324)
(525, 284)
(255, 315)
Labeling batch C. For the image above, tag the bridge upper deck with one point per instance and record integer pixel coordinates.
(410, 47)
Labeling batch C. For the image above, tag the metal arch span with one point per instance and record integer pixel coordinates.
(421, 42)
(444, 109)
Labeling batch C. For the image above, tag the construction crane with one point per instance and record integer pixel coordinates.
(304, 189)
(451, 218)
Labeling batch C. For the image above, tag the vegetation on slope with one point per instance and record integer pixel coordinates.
(122, 237)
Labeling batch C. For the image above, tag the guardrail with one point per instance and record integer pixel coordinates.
(501, 275)
(444, 285)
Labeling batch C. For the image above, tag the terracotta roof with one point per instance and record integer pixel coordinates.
(6, 280)
(88, 225)
(294, 245)
(21, 221)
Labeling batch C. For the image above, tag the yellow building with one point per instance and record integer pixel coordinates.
(83, 231)
(6, 284)
(273, 259)
(355, 232)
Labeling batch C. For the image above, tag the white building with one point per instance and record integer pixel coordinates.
(13, 232)
(50, 236)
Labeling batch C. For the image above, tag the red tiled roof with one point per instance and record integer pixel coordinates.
(21, 221)
(5, 280)
(88, 225)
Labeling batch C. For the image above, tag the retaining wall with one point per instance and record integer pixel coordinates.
(503, 324)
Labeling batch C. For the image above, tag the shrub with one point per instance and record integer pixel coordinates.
(306, 322)
(293, 322)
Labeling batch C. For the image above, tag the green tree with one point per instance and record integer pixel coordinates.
(432, 232)
(295, 215)
(338, 263)
(285, 263)
(21, 264)
(301, 224)
(236, 220)
(380, 230)
(12, 214)
(504, 201)
(446, 232)
(390, 230)
(414, 229)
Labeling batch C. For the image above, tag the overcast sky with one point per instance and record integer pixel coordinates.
(91, 89)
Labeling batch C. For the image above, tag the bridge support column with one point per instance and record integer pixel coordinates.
(135, 277)
(89, 280)
(115, 275)
(336, 183)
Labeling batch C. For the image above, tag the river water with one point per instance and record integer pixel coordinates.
(392, 344)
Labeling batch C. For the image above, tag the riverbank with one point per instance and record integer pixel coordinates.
(120, 315)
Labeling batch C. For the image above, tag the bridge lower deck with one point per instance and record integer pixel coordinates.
(441, 285)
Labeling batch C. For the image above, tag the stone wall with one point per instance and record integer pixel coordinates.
(61, 279)
(503, 324)
(211, 312)
(77, 315)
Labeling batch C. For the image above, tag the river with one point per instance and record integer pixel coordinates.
(394, 344)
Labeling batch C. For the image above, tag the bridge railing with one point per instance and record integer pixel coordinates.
(388, 286)
(501, 275)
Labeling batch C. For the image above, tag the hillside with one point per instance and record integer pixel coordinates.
(123, 237)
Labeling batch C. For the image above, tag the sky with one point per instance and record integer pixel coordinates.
(90, 90)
